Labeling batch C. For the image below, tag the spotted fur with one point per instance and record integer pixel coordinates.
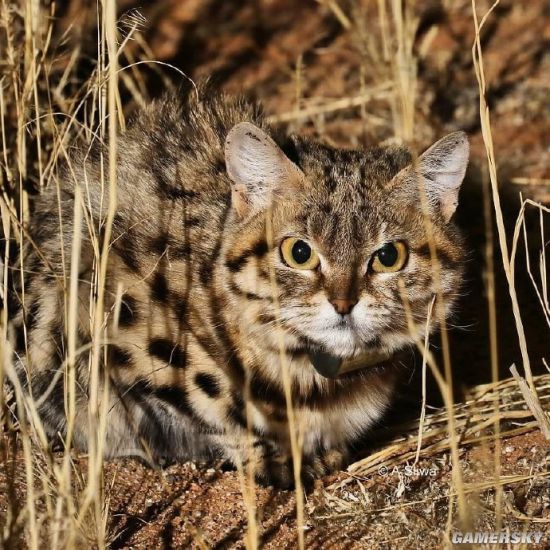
(209, 310)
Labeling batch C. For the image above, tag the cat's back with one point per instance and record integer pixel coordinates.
(170, 166)
(173, 199)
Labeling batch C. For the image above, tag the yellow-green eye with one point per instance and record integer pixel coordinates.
(299, 254)
(390, 258)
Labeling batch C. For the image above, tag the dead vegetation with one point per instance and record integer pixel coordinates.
(352, 73)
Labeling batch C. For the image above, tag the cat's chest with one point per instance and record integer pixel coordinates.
(333, 428)
(324, 428)
(327, 414)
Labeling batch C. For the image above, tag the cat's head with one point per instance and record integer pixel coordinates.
(335, 245)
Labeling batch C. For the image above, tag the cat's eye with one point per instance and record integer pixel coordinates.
(390, 258)
(298, 254)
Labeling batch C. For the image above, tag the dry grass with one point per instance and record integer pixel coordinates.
(41, 103)
(474, 424)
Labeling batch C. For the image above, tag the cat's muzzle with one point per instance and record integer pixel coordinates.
(331, 366)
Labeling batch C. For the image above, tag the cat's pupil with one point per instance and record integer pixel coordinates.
(301, 252)
(388, 255)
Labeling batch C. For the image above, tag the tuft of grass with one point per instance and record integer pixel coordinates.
(507, 259)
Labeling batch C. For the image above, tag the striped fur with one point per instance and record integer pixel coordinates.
(207, 302)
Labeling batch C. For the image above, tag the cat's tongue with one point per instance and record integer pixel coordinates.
(330, 366)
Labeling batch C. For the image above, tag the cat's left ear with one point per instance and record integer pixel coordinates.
(442, 168)
(258, 168)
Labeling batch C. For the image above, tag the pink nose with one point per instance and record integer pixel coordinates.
(343, 306)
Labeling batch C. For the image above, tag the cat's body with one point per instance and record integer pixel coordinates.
(212, 310)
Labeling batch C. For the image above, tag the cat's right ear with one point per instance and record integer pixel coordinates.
(442, 168)
(257, 167)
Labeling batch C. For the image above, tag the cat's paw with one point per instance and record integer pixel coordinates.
(277, 472)
(322, 464)
(270, 464)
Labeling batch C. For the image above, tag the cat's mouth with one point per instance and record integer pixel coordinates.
(330, 366)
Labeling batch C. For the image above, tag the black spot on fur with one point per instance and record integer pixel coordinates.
(159, 287)
(259, 249)
(205, 272)
(120, 357)
(128, 311)
(126, 252)
(266, 318)
(425, 252)
(193, 221)
(180, 308)
(263, 390)
(173, 193)
(312, 398)
(331, 185)
(166, 351)
(236, 367)
(19, 339)
(160, 243)
(138, 390)
(165, 244)
(330, 181)
(234, 364)
(181, 252)
(219, 166)
(279, 415)
(235, 411)
(175, 396)
(248, 295)
(326, 208)
(206, 267)
(208, 384)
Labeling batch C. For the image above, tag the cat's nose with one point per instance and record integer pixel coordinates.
(343, 306)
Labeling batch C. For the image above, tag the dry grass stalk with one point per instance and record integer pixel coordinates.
(327, 107)
(424, 396)
(507, 263)
(471, 428)
(493, 336)
(293, 426)
(338, 12)
(75, 508)
(405, 70)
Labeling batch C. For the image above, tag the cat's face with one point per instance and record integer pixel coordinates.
(350, 240)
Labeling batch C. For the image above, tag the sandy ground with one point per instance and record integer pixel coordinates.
(186, 505)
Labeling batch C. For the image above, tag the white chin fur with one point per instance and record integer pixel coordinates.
(365, 326)
(339, 342)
